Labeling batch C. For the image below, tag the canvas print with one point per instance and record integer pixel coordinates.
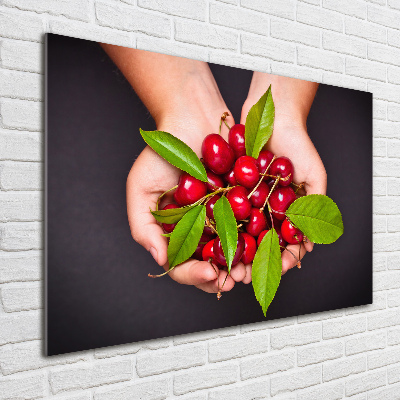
(184, 196)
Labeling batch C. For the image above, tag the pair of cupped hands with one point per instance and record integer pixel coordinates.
(194, 114)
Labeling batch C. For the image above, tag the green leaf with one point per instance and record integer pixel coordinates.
(259, 124)
(175, 152)
(226, 228)
(267, 269)
(172, 215)
(318, 217)
(186, 236)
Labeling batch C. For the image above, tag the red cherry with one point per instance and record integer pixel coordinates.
(236, 140)
(239, 202)
(282, 243)
(208, 252)
(261, 236)
(219, 253)
(208, 231)
(217, 154)
(260, 195)
(189, 190)
(290, 233)
(282, 166)
(250, 248)
(169, 227)
(258, 222)
(281, 198)
(230, 178)
(214, 181)
(246, 171)
(210, 205)
(263, 161)
(200, 246)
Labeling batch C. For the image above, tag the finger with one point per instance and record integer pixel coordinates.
(238, 272)
(218, 284)
(308, 244)
(247, 278)
(193, 272)
(290, 256)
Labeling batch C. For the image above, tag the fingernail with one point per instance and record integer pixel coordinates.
(154, 253)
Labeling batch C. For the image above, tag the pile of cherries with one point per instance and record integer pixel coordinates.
(249, 185)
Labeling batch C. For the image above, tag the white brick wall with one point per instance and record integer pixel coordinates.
(332, 355)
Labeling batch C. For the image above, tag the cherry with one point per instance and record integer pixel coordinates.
(246, 171)
(290, 233)
(169, 227)
(200, 246)
(258, 222)
(236, 140)
(250, 248)
(217, 154)
(219, 253)
(210, 205)
(280, 199)
(214, 181)
(261, 236)
(189, 190)
(259, 195)
(239, 202)
(230, 178)
(282, 243)
(282, 166)
(208, 252)
(263, 161)
(208, 231)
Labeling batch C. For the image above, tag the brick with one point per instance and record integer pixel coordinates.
(393, 337)
(268, 48)
(239, 18)
(394, 223)
(393, 188)
(21, 114)
(295, 32)
(332, 391)
(76, 9)
(86, 31)
(393, 261)
(21, 297)
(365, 69)
(283, 8)
(267, 364)
(265, 325)
(387, 393)
(394, 4)
(22, 56)
(296, 71)
(29, 356)
(379, 110)
(344, 367)
(344, 44)
(20, 176)
(384, 91)
(393, 75)
(130, 19)
(205, 35)
(25, 387)
(379, 147)
(365, 30)
(393, 111)
(393, 298)
(299, 379)
(379, 303)
(318, 353)
(246, 391)
(193, 9)
(205, 377)
(383, 319)
(319, 316)
(393, 374)
(344, 81)
(379, 224)
(384, 16)
(386, 242)
(87, 376)
(230, 348)
(154, 389)
(380, 166)
(181, 357)
(365, 382)
(379, 187)
(365, 342)
(19, 327)
(199, 336)
(316, 58)
(343, 327)
(23, 146)
(393, 38)
(239, 60)
(354, 8)
(171, 47)
(17, 25)
(81, 396)
(20, 267)
(383, 358)
(20, 236)
(319, 17)
(19, 206)
(295, 336)
(383, 54)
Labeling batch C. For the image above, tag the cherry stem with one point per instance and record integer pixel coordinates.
(298, 187)
(255, 187)
(162, 195)
(210, 225)
(223, 118)
(159, 276)
(223, 285)
(269, 194)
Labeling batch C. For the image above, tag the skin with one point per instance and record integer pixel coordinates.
(183, 98)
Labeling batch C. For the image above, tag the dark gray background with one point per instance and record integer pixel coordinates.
(98, 292)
